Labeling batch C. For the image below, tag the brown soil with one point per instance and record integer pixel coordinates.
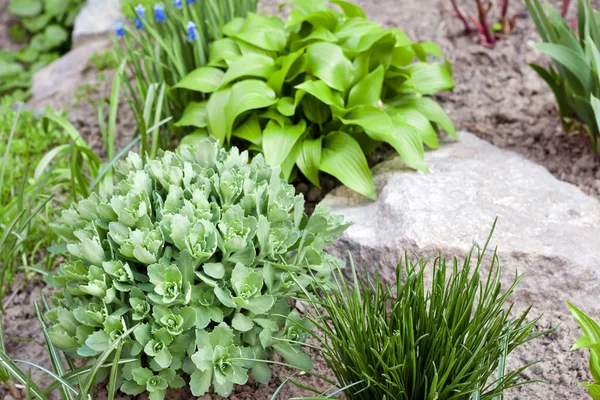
(497, 96)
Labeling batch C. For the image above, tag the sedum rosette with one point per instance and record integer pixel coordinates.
(196, 253)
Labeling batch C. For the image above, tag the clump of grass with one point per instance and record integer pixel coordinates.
(415, 340)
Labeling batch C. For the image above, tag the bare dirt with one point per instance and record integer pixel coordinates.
(497, 96)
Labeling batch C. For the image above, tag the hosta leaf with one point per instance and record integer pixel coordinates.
(194, 115)
(286, 106)
(343, 158)
(216, 112)
(203, 79)
(277, 79)
(309, 159)
(250, 130)
(25, 8)
(321, 91)
(350, 10)
(246, 95)
(429, 78)
(328, 62)
(252, 65)
(569, 59)
(264, 32)
(395, 131)
(593, 390)
(318, 19)
(418, 121)
(287, 166)
(278, 141)
(223, 50)
(431, 110)
(368, 89)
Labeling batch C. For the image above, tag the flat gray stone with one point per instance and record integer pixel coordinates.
(546, 228)
(97, 18)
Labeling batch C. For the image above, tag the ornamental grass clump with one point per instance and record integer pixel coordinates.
(197, 252)
(415, 340)
(574, 76)
(161, 42)
(320, 90)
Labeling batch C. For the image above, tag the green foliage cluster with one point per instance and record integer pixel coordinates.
(197, 253)
(45, 25)
(590, 340)
(160, 52)
(415, 340)
(574, 76)
(319, 91)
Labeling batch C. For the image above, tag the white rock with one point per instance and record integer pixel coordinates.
(547, 229)
(97, 18)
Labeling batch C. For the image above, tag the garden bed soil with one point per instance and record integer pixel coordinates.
(497, 97)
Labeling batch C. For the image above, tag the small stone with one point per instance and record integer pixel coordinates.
(313, 195)
(97, 18)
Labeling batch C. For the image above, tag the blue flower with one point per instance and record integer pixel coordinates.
(140, 10)
(159, 13)
(138, 23)
(188, 2)
(192, 33)
(119, 29)
(177, 3)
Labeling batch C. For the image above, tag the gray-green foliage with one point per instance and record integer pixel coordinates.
(574, 76)
(320, 90)
(202, 249)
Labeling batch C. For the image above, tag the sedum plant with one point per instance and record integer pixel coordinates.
(197, 252)
(574, 76)
(439, 332)
(591, 341)
(320, 90)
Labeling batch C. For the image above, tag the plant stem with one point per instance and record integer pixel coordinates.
(461, 16)
(484, 27)
(565, 8)
(13, 390)
(504, 9)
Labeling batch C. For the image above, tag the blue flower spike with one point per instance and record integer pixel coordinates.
(120, 30)
(139, 20)
(188, 2)
(159, 13)
(177, 3)
(192, 33)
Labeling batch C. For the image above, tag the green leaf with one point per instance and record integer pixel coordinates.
(55, 35)
(368, 89)
(250, 130)
(294, 357)
(278, 141)
(418, 121)
(200, 382)
(277, 79)
(246, 95)
(223, 50)
(343, 158)
(36, 24)
(321, 91)
(216, 113)
(251, 65)
(241, 322)
(379, 126)
(194, 115)
(286, 106)
(309, 159)
(596, 107)
(431, 110)
(204, 79)
(266, 33)
(350, 10)
(569, 59)
(430, 78)
(57, 7)
(327, 62)
(25, 8)
(98, 341)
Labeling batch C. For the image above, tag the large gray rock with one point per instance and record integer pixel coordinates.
(97, 18)
(546, 228)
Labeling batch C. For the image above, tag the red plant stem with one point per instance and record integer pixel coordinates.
(504, 9)
(485, 28)
(461, 16)
(565, 8)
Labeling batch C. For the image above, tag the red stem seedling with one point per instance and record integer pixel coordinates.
(458, 13)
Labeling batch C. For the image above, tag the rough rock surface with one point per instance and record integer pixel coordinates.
(546, 228)
(96, 19)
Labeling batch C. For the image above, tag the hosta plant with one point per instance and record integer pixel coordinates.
(161, 43)
(198, 252)
(590, 340)
(574, 76)
(441, 331)
(319, 91)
